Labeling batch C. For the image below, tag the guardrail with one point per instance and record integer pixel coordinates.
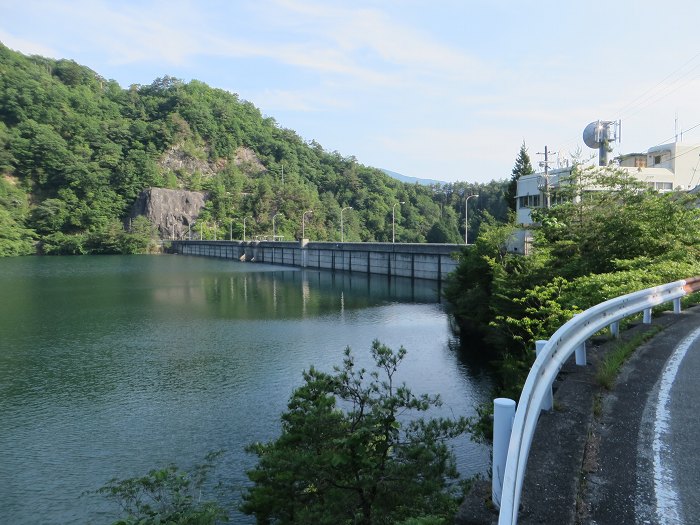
(509, 469)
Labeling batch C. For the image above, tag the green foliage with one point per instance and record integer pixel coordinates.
(522, 167)
(15, 237)
(166, 496)
(441, 232)
(592, 229)
(590, 247)
(348, 452)
(83, 149)
(608, 370)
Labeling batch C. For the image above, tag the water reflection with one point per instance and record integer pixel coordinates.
(293, 293)
(111, 366)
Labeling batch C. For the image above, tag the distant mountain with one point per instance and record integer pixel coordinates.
(412, 180)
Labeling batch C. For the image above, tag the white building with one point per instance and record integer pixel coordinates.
(667, 167)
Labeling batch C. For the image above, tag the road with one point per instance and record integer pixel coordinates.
(648, 437)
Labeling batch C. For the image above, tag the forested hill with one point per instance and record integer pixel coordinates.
(77, 149)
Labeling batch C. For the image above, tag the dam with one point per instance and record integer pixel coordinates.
(413, 260)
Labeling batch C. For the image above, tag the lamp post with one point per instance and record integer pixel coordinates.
(230, 210)
(341, 222)
(466, 216)
(393, 220)
(274, 234)
(302, 222)
(244, 219)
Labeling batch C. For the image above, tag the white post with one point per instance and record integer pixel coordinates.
(548, 401)
(503, 415)
(466, 221)
(647, 316)
(393, 221)
(615, 329)
(677, 305)
(342, 236)
(581, 355)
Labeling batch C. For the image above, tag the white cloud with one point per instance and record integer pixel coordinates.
(26, 46)
(298, 100)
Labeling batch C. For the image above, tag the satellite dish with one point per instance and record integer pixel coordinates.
(592, 134)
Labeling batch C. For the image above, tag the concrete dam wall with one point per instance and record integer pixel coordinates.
(416, 261)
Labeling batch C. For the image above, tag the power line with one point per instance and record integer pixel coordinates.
(647, 98)
(666, 141)
(644, 94)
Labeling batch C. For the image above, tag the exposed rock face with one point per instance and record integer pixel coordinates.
(171, 211)
(248, 161)
(176, 159)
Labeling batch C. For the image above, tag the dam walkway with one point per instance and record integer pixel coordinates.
(416, 261)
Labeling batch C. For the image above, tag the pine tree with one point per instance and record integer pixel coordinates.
(522, 167)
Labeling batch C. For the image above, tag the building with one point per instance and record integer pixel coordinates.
(668, 167)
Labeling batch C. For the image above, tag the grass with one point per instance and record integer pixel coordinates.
(610, 366)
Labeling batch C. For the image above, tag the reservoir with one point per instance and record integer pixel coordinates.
(111, 366)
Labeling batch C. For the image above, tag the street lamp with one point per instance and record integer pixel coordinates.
(466, 223)
(341, 221)
(244, 219)
(230, 210)
(274, 234)
(302, 222)
(393, 220)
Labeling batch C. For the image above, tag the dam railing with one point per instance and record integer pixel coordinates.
(413, 260)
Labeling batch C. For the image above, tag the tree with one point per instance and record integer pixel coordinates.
(82, 149)
(349, 454)
(620, 220)
(166, 496)
(522, 167)
(442, 232)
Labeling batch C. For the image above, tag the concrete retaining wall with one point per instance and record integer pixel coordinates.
(417, 261)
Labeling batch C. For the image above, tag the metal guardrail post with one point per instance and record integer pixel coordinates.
(569, 338)
(677, 305)
(581, 354)
(647, 316)
(503, 415)
(548, 401)
(615, 329)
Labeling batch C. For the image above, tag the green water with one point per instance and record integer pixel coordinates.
(111, 366)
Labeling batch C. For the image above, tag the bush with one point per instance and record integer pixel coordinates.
(349, 454)
(166, 496)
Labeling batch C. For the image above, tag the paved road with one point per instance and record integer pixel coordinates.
(649, 436)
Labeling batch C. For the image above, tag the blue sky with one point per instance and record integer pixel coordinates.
(440, 89)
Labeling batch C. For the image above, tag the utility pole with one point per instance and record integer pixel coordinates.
(546, 176)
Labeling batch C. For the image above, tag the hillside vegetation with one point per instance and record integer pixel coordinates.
(593, 246)
(77, 149)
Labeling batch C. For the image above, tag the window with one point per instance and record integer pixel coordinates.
(661, 186)
(529, 201)
(657, 159)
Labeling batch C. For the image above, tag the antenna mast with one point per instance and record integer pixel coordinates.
(545, 163)
(600, 134)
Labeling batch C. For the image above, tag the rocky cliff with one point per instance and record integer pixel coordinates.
(171, 211)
